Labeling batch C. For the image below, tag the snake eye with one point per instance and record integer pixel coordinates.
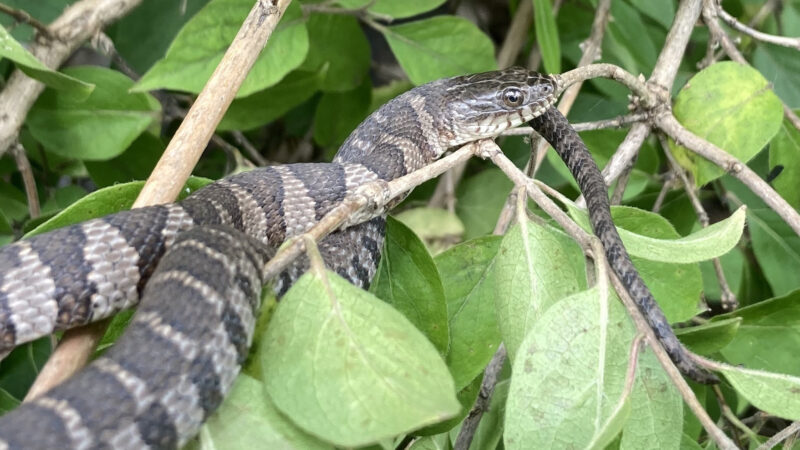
(512, 97)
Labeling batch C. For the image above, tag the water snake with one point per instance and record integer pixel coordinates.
(200, 297)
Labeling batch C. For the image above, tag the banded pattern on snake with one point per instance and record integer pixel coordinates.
(197, 265)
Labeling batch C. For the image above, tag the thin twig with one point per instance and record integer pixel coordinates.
(176, 164)
(616, 122)
(79, 22)
(24, 167)
(730, 416)
(780, 436)
(473, 419)
(248, 147)
(755, 34)
(22, 16)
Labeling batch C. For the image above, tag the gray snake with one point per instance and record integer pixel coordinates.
(199, 299)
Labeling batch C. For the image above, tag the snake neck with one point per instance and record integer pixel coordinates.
(404, 135)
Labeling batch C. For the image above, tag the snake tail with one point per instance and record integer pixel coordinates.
(556, 130)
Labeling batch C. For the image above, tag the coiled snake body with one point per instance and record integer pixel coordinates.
(199, 301)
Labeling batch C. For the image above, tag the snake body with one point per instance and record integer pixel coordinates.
(197, 265)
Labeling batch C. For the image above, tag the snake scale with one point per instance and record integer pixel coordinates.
(199, 298)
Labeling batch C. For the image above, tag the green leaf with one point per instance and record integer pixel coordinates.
(338, 44)
(349, 368)
(437, 227)
(98, 128)
(265, 106)
(196, 52)
(143, 35)
(777, 249)
(780, 66)
(474, 335)
(544, 22)
(628, 39)
(105, 201)
(466, 397)
(711, 337)
(339, 113)
(133, 164)
(248, 419)
(408, 280)
(11, 49)
(731, 106)
(525, 286)
(568, 375)
(396, 9)
(480, 199)
(784, 150)
(656, 418)
(441, 46)
(704, 244)
(767, 336)
(773, 393)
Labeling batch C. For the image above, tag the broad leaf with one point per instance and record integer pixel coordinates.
(710, 337)
(777, 249)
(785, 151)
(768, 335)
(195, 53)
(480, 199)
(339, 113)
(397, 9)
(349, 368)
(704, 244)
(144, 34)
(247, 419)
(544, 22)
(466, 272)
(11, 49)
(98, 128)
(439, 47)
(568, 375)
(535, 267)
(338, 46)
(407, 279)
(265, 106)
(773, 393)
(656, 419)
(780, 66)
(731, 106)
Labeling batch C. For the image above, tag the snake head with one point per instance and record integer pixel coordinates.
(485, 104)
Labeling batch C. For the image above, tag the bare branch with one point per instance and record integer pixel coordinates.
(28, 181)
(755, 34)
(22, 16)
(780, 436)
